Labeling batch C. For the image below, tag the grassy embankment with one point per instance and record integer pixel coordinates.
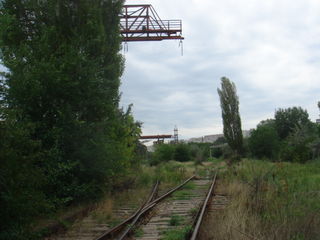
(270, 201)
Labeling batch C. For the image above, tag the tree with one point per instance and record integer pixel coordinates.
(286, 120)
(61, 91)
(229, 103)
(264, 141)
(298, 146)
(162, 153)
(182, 153)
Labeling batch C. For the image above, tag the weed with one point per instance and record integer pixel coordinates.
(193, 211)
(181, 195)
(138, 232)
(176, 220)
(114, 222)
(177, 234)
(272, 200)
(189, 186)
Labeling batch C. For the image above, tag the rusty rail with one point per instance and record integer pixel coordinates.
(150, 206)
(120, 226)
(140, 212)
(203, 209)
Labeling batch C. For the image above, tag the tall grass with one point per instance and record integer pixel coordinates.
(170, 172)
(272, 201)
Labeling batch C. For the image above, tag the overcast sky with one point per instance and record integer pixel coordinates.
(270, 49)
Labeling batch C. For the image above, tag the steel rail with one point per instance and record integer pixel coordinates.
(203, 209)
(150, 206)
(118, 227)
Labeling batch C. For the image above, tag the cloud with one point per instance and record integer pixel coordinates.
(270, 49)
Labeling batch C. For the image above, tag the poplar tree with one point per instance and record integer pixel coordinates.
(229, 103)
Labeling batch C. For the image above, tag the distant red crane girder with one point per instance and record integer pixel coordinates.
(142, 23)
(156, 136)
(150, 31)
(137, 39)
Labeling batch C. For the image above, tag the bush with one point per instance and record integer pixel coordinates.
(264, 141)
(162, 153)
(298, 146)
(182, 153)
(217, 152)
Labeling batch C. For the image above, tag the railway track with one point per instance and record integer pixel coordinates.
(178, 211)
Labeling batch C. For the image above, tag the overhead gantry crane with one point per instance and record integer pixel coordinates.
(142, 23)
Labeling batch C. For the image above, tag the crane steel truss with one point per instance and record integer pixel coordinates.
(142, 23)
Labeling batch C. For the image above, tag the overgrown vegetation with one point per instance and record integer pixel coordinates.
(182, 152)
(63, 137)
(271, 201)
(177, 233)
(290, 136)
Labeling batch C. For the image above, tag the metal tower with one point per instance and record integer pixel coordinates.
(176, 137)
(142, 23)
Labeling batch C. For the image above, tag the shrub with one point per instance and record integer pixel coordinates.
(162, 153)
(264, 141)
(298, 146)
(182, 153)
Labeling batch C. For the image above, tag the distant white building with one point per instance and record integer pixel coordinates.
(318, 121)
(214, 137)
(206, 139)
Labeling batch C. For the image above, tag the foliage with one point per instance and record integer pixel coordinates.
(162, 153)
(283, 198)
(291, 137)
(168, 172)
(298, 145)
(219, 147)
(286, 120)
(177, 233)
(219, 141)
(182, 153)
(61, 125)
(21, 198)
(176, 220)
(264, 141)
(229, 102)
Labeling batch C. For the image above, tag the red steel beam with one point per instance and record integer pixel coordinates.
(140, 22)
(137, 39)
(156, 136)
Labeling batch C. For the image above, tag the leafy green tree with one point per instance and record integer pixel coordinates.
(298, 146)
(264, 141)
(229, 102)
(182, 153)
(60, 100)
(286, 120)
(21, 198)
(163, 153)
(64, 69)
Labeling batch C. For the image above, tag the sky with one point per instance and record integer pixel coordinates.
(269, 49)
